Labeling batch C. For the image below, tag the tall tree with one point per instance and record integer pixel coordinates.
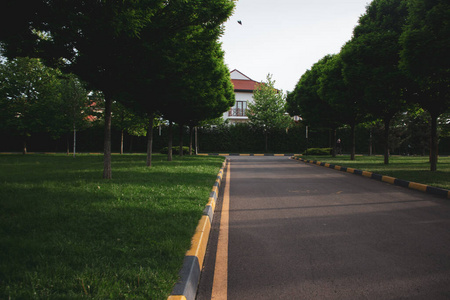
(117, 47)
(73, 109)
(79, 33)
(268, 111)
(342, 96)
(199, 86)
(371, 59)
(28, 97)
(424, 57)
(306, 101)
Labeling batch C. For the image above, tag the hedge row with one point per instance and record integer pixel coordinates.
(239, 138)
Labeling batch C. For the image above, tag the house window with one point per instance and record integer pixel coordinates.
(241, 108)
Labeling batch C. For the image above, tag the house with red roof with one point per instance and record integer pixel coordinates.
(244, 87)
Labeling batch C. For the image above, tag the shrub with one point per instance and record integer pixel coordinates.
(318, 151)
(175, 150)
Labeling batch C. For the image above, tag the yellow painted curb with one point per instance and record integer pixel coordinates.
(327, 165)
(418, 186)
(212, 203)
(172, 297)
(367, 174)
(244, 154)
(224, 154)
(350, 170)
(388, 179)
(200, 240)
(337, 168)
(258, 154)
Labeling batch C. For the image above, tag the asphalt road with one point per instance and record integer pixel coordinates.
(300, 231)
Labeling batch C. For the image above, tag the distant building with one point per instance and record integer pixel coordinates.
(244, 87)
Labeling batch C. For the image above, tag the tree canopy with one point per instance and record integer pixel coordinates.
(268, 111)
(122, 48)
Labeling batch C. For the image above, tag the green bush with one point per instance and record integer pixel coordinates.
(318, 151)
(175, 150)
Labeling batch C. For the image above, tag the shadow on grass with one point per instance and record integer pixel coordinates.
(66, 233)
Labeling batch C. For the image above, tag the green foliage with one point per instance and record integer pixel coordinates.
(30, 97)
(175, 150)
(306, 101)
(128, 120)
(268, 111)
(318, 151)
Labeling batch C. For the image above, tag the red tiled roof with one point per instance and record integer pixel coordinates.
(244, 85)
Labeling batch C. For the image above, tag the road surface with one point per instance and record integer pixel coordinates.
(300, 231)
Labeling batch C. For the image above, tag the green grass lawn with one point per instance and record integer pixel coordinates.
(411, 168)
(66, 233)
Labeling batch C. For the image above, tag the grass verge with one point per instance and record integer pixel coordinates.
(66, 233)
(411, 168)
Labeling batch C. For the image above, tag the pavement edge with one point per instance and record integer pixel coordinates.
(395, 181)
(186, 287)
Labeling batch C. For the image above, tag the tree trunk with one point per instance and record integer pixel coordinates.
(352, 137)
(107, 173)
(150, 141)
(387, 123)
(169, 148)
(24, 149)
(180, 130)
(121, 141)
(370, 141)
(433, 143)
(191, 133)
(196, 140)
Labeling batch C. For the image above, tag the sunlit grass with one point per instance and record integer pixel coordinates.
(66, 233)
(411, 168)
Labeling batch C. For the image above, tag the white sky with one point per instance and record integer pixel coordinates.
(286, 37)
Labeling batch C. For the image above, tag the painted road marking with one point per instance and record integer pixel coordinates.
(220, 282)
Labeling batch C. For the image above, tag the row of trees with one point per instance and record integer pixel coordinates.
(150, 56)
(35, 98)
(396, 61)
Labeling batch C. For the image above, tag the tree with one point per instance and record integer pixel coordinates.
(74, 37)
(128, 121)
(342, 95)
(200, 88)
(28, 97)
(118, 47)
(371, 60)
(424, 57)
(268, 111)
(306, 102)
(72, 109)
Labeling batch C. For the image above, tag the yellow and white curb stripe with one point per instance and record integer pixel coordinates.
(400, 182)
(186, 287)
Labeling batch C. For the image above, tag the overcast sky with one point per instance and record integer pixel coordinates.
(286, 37)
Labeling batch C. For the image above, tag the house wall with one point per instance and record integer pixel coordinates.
(240, 96)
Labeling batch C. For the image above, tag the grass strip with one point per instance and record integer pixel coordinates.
(411, 168)
(66, 233)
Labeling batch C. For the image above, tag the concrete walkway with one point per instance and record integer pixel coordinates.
(299, 231)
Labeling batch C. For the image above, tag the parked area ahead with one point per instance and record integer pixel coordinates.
(299, 231)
